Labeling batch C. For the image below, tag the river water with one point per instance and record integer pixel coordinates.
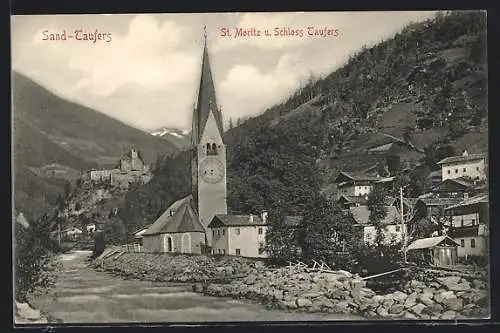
(83, 295)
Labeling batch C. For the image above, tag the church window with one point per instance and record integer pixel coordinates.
(223, 232)
(449, 171)
(213, 232)
(238, 252)
(472, 243)
(259, 231)
(477, 168)
(456, 170)
(237, 231)
(465, 169)
(211, 149)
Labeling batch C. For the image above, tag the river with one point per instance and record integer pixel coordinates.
(83, 295)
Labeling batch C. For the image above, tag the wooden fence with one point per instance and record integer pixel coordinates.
(133, 248)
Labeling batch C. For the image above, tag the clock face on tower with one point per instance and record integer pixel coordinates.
(211, 170)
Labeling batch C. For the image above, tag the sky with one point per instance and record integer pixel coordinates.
(144, 69)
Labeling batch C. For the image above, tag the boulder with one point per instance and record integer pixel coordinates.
(449, 315)
(433, 309)
(459, 286)
(453, 303)
(340, 307)
(479, 284)
(290, 303)
(439, 297)
(425, 300)
(311, 295)
(418, 308)
(250, 279)
(27, 312)
(411, 300)
(449, 280)
(382, 311)
(409, 316)
(303, 302)
(396, 309)
(399, 296)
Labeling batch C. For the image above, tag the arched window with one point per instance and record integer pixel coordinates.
(211, 149)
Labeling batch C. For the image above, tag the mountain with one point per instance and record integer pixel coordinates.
(54, 140)
(180, 138)
(425, 89)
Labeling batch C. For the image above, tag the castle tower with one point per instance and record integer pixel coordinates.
(209, 151)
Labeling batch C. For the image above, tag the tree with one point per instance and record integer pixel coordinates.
(378, 211)
(281, 238)
(231, 126)
(325, 232)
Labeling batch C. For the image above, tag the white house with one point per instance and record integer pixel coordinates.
(391, 225)
(240, 235)
(469, 225)
(473, 166)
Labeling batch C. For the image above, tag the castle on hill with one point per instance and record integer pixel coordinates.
(131, 168)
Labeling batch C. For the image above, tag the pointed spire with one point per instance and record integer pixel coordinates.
(207, 101)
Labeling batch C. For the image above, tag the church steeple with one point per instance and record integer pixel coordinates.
(207, 102)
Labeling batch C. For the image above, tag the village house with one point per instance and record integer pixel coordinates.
(239, 235)
(392, 229)
(131, 168)
(351, 184)
(473, 166)
(469, 225)
(461, 187)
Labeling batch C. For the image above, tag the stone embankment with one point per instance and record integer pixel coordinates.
(427, 295)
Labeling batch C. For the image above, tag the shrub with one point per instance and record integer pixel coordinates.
(35, 263)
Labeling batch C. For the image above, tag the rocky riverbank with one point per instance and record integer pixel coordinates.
(427, 295)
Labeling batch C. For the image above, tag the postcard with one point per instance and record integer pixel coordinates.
(250, 167)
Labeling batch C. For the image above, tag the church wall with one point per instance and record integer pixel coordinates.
(155, 243)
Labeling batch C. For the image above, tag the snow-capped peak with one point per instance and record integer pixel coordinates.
(179, 133)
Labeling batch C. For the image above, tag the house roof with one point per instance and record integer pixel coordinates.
(361, 215)
(427, 243)
(235, 220)
(439, 201)
(354, 199)
(184, 219)
(220, 220)
(461, 159)
(355, 176)
(454, 184)
(481, 198)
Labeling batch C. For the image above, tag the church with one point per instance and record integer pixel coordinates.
(183, 227)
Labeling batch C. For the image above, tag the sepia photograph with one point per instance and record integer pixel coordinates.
(250, 167)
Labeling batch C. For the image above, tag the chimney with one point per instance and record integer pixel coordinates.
(251, 218)
(264, 217)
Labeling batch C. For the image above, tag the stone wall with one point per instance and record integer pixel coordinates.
(427, 295)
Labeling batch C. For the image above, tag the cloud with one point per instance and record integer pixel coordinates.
(248, 90)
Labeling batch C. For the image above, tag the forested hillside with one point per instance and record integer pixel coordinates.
(426, 88)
